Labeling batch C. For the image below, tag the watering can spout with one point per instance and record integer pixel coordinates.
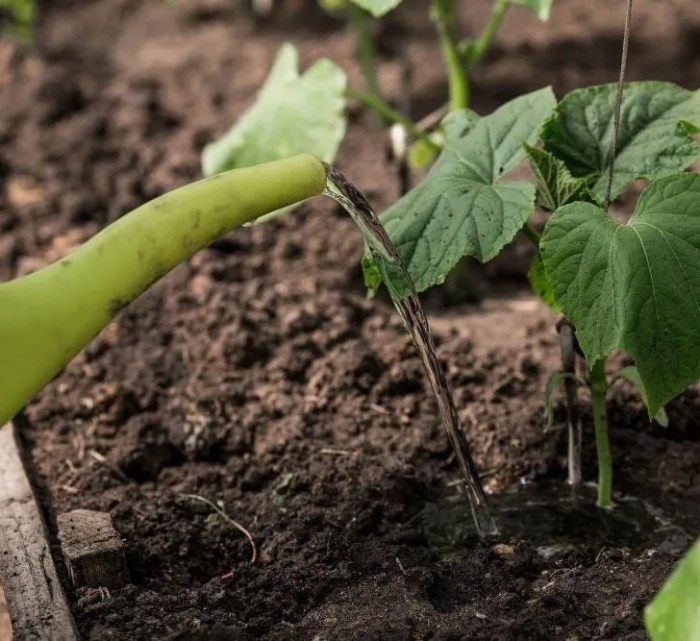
(49, 316)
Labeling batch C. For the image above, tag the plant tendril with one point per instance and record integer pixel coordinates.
(618, 101)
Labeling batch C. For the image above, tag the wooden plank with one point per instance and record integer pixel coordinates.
(5, 625)
(38, 607)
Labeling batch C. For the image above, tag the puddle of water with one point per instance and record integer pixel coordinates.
(555, 520)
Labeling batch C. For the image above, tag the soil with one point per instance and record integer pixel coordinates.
(259, 375)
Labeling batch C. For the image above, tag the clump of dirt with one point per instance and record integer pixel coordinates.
(259, 375)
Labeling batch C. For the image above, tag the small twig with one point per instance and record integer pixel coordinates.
(433, 118)
(618, 102)
(398, 562)
(222, 513)
(111, 467)
(328, 450)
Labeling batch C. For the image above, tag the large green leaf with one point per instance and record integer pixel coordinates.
(292, 114)
(653, 140)
(377, 7)
(541, 8)
(631, 374)
(674, 614)
(463, 207)
(635, 286)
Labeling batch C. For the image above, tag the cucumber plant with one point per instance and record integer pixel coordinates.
(633, 286)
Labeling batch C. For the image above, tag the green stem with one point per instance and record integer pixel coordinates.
(481, 45)
(599, 386)
(366, 55)
(443, 13)
(389, 113)
(47, 317)
(532, 234)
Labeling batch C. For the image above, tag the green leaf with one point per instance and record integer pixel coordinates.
(377, 7)
(457, 124)
(540, 283)
(631, 374)
(541, 8)
(555, 184)
(462, 207)
(17, 17)
(651, 143)
(371, 273)
(292, 114)
(454, 125)
(674, 614)
(635, 286)
(332, 5)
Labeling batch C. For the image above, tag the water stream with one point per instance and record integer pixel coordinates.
(403, 293)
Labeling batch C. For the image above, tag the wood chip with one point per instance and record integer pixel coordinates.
(92, 550)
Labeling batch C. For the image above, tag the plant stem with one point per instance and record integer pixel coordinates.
(47, 317)
(217, 509)
(532, 234)
(573, 421)
(366, 55)
(482, 44)
(387, 112)
(443, 14)
(599, 386)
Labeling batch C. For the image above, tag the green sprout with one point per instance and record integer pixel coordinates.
(218, 513)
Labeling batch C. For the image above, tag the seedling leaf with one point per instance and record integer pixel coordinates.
(651, 143)
(541, 8)
(462, 207)
(674, 614)
(635, 286)
(377, 7)
(292, 114)
(631, 375)
(555, 184)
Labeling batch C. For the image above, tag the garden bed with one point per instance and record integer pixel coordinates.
(260, 375)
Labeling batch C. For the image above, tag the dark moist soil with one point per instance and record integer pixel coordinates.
(259, 375)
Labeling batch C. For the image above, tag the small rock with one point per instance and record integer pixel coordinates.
(503, 551)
